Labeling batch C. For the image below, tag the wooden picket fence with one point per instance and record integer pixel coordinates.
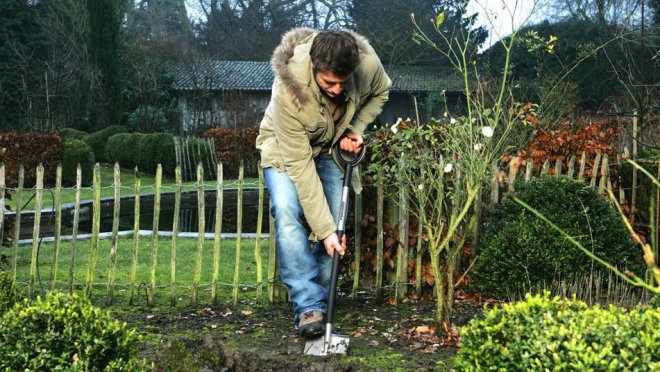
(599, 176)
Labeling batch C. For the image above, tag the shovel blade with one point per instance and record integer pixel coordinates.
(338, 345)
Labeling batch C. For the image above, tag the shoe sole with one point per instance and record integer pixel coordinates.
(312, 329)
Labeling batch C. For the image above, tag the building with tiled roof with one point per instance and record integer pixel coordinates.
(236, 93)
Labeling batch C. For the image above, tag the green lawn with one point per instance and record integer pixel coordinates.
(185, 267)
(127, 183)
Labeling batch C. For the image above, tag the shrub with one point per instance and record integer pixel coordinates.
(98, 140)
(29, 149)
(9, 294)
(119, 149)
(77, 152)
(65, 332)
(553, 334)
(519, 251)
(72, 133)
(154, 149)
(232, 145)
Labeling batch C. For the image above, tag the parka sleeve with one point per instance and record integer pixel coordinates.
(379, 89)
(296, 153)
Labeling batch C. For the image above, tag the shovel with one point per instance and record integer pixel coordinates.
(332, 343)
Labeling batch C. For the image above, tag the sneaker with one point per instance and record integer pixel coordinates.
(311, 324)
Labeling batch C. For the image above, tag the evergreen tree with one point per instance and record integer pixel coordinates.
(19, 48)
(105, 46)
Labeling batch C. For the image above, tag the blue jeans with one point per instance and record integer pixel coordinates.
(304, 269)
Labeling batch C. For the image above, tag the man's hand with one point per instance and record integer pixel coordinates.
(351, 142)
(331, 244)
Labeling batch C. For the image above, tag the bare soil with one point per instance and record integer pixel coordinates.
(251, 337)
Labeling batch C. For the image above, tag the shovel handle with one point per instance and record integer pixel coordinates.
(341, 225)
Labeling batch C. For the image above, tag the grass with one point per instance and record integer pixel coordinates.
(185, 267)
(127, 182)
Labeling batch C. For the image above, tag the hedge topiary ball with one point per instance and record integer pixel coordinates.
(65, 332)
(517, 250)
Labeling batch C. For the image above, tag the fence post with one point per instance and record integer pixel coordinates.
(545, 169)
(594, 170)
(571, 166)
(38, 200)
(583, 164)
(633, 196)
(379, 237)
(57, 199)
(76, 221)
(513, 171)
(495, 185)
(154, 236)
(529, 170)
(136, 235)
(357, 240)
(115, 232)
(200, 231)
(605, 174)
(558, 166)
(272, 257)
(19, 209)
(217, 239)
(257, 245)
(175, 233)
(239, 228)
(402, 251)
(96, 224)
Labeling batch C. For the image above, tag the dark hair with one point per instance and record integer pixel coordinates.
(335, 51)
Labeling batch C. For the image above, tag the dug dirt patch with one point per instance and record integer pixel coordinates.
(251, 337)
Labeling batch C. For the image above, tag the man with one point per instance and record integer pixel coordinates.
(328, 87)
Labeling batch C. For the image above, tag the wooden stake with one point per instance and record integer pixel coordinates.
(175, 233)
(217, 239)
(136, 237)
(38, 201)
(154, 236)
(57, 196)
(239, 228)
(115, 233)
(96, 226)
(201, 226)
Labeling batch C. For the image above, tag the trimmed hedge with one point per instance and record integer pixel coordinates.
(65, 332)
(98, 140)
(75, 152)
(123, 148)
(232, 145)
(72, 133)
(518, 251)
(154, 149)
(541, 333)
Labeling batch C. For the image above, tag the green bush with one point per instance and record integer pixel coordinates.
(123, 148)
(519, 251)
(77, 152)
(9, 294)
(72, 133)
(98, 140)
(553, 334)
(65, 332)
(154, 149)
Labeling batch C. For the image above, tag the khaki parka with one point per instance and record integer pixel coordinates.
(298, 123)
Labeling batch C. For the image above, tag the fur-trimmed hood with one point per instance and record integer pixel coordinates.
(285, 52)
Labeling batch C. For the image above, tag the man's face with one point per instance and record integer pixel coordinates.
(331, 84)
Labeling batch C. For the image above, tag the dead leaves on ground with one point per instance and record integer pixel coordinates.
(408, 333)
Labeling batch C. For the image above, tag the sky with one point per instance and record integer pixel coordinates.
(500, 16)
(503, 14)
